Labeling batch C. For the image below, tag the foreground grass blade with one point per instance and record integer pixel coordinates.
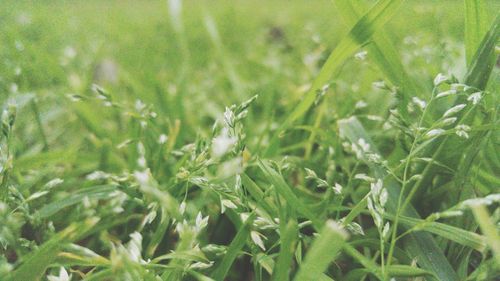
(375, 18)
(484, 59)
(288, 238)
(455, 234)
(488, 228)
(284, 190)
(36, 264)
(323, 250)
(233, 250)
(382, 52)
(476, 25)
(420, 245)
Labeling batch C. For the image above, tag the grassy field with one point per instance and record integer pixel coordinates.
(250, 140)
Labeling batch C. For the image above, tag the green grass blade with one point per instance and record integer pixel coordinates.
(484, 60)
(323, 250)
(94, 192)
(288, 239)
(406, 271)
(476, 25)
(487, 225)
(284, 190)
(455, 234)
(36, 264)
(233, 250)
(382, 52)
(362, 31)
(420, 245)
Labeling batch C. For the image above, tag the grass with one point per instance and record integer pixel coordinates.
(249, 140)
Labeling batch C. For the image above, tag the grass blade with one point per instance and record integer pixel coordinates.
(284, 190)
(476, 25)
(375, 18)
(34, 266)
(420, 245)
(288, 238)
(323, 250)
(233, 250)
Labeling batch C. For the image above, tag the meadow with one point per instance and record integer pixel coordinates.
(250, 140)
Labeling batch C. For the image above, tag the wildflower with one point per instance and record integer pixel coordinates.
(256, 238)
(461, 131)
(337, 188)
(422, 104)
(446, 93)
(475, 98)
(361, 55)
(223, 143)
(440, 79)
(434, 133)
(162, 139)
(453, 110)
(63, 276)
(361, 104)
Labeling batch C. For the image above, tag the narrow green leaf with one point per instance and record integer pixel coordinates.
(488, 228)
(374, 19)
(94, 192)
(288, 239)
(35, 265)
(476, 25)
(420, 245)
(323, 250)
(482, 63)
(284, 190)
(455, 234)
(406, 271)
(234, 250)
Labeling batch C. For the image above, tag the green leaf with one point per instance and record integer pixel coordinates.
(420, 245)
(284, 190)
(323, 250)
(359, 35)
(94, 192)
(234, 250)
(476, 25)
(288, 238)
(34, 266)
(455, 234)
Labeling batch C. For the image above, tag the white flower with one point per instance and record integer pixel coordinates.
(337, 188)
(379, 84)
(223, 143)
(201, 222)
(134, 247)
(475, 98)
(257, 239)
(440, 78)
(53, 183)
(385, 231)
(361, 55)
(63, 276)
(182, 207)
(162, 139)
(422, 104)
(453, 110)
(434, 133)
(361, 104)
(446, 93)
(449, 121)
(142, 177)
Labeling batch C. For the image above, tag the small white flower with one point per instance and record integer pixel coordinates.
(360, 104)
(337, 188)
(257, 239)
(440, 79)
(385, 231)
(434, 133)
(223, 143)
(182, 207)
(53, 183)
(134, 247)
(228, 204)
(201, 222)
(361, 55)
(446, 93)
(453, 110)
(162, 139)
(421, 103)
(142, 177)
(379, 84)
(475, 98)
(364, 145)
(449, 121)
(63, 276)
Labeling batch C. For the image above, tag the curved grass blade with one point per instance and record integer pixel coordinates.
(36, 264)
(420, 244)
(476, 25)
(94, 192)
(383, 53)
(233, 250)
(323, 250)
(287, 248)
(362, 31)
(458, 235)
